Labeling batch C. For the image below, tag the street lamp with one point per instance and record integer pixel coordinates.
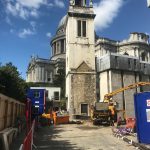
(148, 3)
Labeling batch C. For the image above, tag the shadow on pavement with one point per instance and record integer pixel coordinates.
(18, 141)
(45, 139)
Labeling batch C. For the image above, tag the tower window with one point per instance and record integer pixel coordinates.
(84, 109)
(81, 27)
(84, 28)
(80, 2)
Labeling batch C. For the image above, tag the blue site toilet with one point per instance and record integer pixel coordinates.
(142, 112)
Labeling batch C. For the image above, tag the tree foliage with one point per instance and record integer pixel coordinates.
(11, 83)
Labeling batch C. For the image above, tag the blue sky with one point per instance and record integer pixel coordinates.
(26, 26)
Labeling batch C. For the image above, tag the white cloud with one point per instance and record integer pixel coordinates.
(17, 10)
(29, 8)
(24, 8)
(106, 11)
(49, 35)
(50, 4)
(59, 3)
(34, 13)
(32, 3)
(33, 24)
(25, 32)
(11, 9)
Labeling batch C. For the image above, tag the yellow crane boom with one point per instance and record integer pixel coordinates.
(131, 86)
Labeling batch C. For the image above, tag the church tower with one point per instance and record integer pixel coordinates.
(80, 57)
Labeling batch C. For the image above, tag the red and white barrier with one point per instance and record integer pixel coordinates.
(28, 141)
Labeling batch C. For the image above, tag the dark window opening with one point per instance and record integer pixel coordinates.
(79, 27)
(143, 56)
(54, 48)
(36, 94)
(78, 2)
(116, 61)
(84, 109)
(46, 93)
(62, 46)
(56, 95)
(135, 63)
(129, 63)
(84, 28)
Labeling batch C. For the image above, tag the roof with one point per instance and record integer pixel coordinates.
(62, 22)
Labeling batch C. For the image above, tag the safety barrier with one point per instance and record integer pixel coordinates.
(28, 141)
(10, 109)
(7, 135)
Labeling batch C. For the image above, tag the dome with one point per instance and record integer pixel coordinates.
(62, 22)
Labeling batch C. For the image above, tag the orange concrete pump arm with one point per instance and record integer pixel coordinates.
(135, 85)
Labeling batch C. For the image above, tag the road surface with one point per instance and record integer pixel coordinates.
(78, 137)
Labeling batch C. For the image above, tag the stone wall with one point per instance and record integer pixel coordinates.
(83, 91)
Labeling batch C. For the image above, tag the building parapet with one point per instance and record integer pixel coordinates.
(106, 40)
(122, 62)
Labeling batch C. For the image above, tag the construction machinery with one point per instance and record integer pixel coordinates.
(108, 96)
(101, 112)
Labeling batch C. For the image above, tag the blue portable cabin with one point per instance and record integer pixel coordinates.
(142, 112)
(37, 97)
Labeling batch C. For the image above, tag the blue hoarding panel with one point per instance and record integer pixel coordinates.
(142, 112)
(37, 97)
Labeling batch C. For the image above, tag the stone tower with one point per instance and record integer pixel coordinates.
(80, 57)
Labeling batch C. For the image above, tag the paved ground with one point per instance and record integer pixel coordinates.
(18, 141)
(78, 137)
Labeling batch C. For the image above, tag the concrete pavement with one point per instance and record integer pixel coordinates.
(78, 137)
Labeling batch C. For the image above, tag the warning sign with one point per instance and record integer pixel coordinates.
(148, 115)
(148, 102)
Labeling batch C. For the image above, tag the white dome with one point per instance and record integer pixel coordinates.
(62, 22)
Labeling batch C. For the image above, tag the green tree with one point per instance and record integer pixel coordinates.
(11, 83)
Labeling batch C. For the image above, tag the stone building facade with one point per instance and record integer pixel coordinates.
(80, 58)
(75, 49)
(40, 70)
(120, 64)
